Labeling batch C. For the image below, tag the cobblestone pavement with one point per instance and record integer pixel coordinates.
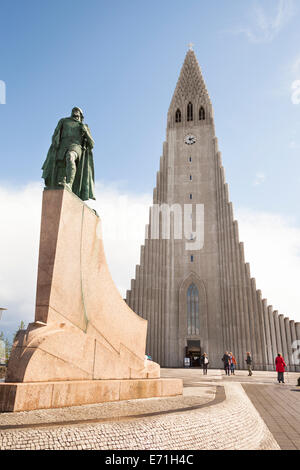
(214, 413)
(193, 398)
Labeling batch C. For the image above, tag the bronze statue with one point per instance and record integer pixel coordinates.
(69, 162)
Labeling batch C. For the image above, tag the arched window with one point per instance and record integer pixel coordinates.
(201, 114)
(178, 116)
(189, 112)
(193, 322)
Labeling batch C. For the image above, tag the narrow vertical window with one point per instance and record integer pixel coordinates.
(201, 114)
(191, 196)
(192, 258)
(190, 159)
(191, 177)
(189, 112)
(178, 116)
(193, 322)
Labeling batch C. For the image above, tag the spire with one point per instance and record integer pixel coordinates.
(190, 85)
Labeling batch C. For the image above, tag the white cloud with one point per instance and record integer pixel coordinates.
(19, 237)
(294, 145)
(266, 25)
(260, 178)
(295, 92)
(272, 246)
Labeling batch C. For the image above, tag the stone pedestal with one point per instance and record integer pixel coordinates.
(84, 334)
(37, 395)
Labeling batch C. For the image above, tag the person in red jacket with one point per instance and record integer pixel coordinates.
(280, 365)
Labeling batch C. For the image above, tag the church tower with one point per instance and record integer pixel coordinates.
(192, 284)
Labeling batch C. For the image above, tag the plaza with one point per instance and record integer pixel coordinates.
(215, 413)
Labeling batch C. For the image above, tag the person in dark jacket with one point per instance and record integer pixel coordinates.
(226, 360)
(248, 360)
(280, 365)
(204, 362)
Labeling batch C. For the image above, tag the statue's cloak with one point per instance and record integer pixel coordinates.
(83, 186)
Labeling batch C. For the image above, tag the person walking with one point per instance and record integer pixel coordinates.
(280, 365)
(205, 363)
(232, 363)
(226, 360)
(249, 363)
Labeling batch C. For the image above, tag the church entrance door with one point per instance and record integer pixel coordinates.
(193, 351)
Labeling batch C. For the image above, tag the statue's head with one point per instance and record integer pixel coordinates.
(77, 114)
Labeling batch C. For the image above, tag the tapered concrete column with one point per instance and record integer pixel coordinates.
(156, 277)
(232, 320)
(128, 297)
(220, 247)
(227, 305)
(247, 345)
(168, 295)
(137, 289)
(273, 335)
(297, 326)
(163, 262)
(163, 302)
(283, 339)
(141, 289)
(289, 343)
(223, 288)
(262, 331)
(268, 335)
(159, 268)
(293, 331)
(235, 293)
(278, 335)
(226, 283)
(297, 351)
(293, 340)
(251, 312)
(158, 295)
(132, 294)
(240, 310)
(149, 296)
(258, 359)
(146, 306)
(145, 280)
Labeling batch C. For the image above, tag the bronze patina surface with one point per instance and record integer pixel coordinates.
(70, 158)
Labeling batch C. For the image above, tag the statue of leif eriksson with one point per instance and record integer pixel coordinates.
(69, 162)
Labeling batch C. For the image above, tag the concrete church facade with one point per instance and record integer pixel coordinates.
(195, 288)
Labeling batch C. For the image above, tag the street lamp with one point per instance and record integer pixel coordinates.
(1, 311)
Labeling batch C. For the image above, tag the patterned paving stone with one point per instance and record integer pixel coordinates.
(205, 428)
(213, 407)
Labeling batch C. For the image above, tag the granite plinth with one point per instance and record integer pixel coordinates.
(42, 395)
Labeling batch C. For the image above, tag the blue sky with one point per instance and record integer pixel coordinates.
(119, 60)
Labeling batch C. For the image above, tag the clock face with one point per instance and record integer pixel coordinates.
(190, 139)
